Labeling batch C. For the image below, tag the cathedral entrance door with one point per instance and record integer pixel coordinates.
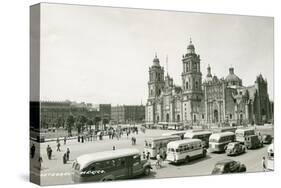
(178, 118)
(216, 116)
(167, 117)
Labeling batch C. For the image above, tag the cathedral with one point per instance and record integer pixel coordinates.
(207, 101)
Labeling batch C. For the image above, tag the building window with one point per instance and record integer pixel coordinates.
(230, 116)
(202, 116)
(187, 65)
(186, 85)
(196, 85)
(194, 118)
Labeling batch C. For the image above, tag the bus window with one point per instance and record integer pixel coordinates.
(136, 160)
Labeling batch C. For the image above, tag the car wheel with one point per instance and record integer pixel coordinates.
(204, 153)
(187, 159)
(147, 171)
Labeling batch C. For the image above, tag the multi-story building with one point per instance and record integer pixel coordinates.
(128, 114)
(55, 113)
(206, 102)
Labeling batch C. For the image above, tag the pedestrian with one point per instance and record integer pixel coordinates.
(32, 151)
(148, 155)
(40, 161)
(48, 151)
(64, 140)
(143, 155)
(82, 138)
(113, 148)
(263, 164)
(67, 154)
(78, 138)
(64, 160)
(58, 147)
(158, 162)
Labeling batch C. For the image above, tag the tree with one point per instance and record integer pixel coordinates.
(96, 122)
(80, 123)
(89, 123)
(104, 122)
(70, 124)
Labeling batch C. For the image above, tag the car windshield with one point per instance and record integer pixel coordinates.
(218, 168)
(231, 145)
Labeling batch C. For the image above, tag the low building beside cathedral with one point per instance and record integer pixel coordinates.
(205, 102)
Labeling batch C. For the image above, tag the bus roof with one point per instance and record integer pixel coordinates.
(197, 133)
(173, 133)
(87, 159)
(221, 134)
(182, 142)
(245, 129)
(162, 137)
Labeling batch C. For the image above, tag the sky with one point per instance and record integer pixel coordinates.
(102, 54)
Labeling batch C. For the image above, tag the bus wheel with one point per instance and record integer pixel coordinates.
(146, 171)
(187, 159)
(204, 153)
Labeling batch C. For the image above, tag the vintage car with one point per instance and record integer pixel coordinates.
(253, 142)
(235, 148)
(267, 139)
(228, 166)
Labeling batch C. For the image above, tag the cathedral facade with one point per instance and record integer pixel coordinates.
(207, 101)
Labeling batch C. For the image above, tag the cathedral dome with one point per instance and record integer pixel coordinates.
(190, 48)
(232, 79)
(156, 61)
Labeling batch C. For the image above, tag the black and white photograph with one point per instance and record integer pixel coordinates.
(133, 94)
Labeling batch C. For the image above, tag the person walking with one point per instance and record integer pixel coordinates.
(148, 156)
(40, 161)
(64, 160)
(64, 140)
(113, 148)
(158, 162)
(32, 151)
(67, 154)
(264, 164)
(58, 147)
(48, 151)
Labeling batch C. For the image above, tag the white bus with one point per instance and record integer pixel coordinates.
(109, 165)
(202, 135)
(177, 133)
(219, 141)
(158, 144)
(270, 158)
(241, 134)
(185, 150)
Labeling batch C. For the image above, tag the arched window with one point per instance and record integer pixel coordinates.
(196, 85)
(186, 85)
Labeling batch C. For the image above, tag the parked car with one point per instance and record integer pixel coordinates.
(267, 139)
(253, 142)
(228, 166)
(235, 148)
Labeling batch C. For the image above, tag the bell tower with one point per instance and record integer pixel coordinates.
(191, 84)
(156, 79)
(191, 74)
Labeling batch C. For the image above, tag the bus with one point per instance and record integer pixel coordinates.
(219, 141)
(185, 150)
(270, 158)
(241, 134)
(109, 165)
(225, 129)
(177, 133)
(158, 145)
(202, 135)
